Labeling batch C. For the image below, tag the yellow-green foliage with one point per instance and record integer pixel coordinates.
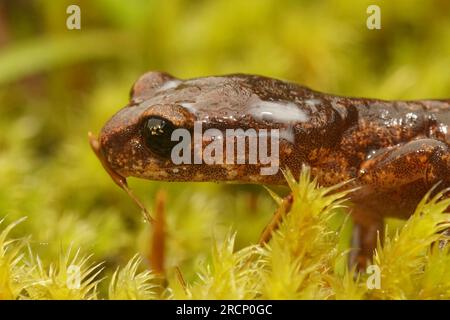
(303, 252)
(411, 267)
(11, 273)
(128, 284)
(70, 278)
(301, 261)
(229, 275)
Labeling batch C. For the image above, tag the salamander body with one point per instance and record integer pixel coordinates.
(394, 151)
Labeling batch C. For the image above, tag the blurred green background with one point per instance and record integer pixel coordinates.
(57, 84)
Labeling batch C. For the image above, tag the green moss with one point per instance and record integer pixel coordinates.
(299, 262)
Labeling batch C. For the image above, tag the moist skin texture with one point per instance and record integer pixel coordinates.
(394, 151)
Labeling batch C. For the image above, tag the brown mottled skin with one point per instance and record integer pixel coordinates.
(394, 150)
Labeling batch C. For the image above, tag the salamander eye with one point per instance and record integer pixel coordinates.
(157, 136)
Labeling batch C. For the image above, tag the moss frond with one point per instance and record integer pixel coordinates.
(408, 260)
(72, 278)
(229, 275)
(349, 286)
(435, 280)
(128, 284)
(303, 251)
(11, 272)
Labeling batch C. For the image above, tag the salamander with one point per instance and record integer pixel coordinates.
(392, 152)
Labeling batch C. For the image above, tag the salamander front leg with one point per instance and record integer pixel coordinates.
(392, 183)
(368, 227)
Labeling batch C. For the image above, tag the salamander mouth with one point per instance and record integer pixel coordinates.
(120, 180)
(95, 145)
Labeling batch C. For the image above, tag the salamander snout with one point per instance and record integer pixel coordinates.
(112, 150)
(138, 143)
